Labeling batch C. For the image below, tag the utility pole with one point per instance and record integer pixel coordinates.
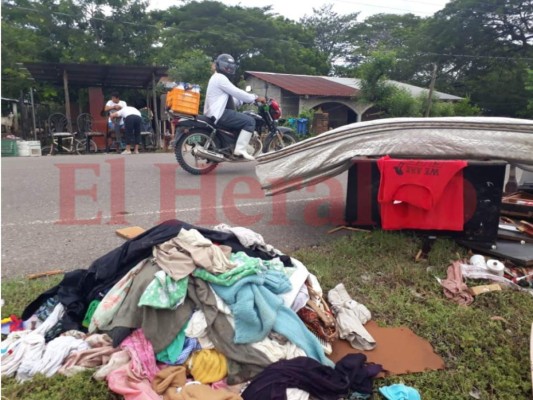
(33, 114)
(431, 86)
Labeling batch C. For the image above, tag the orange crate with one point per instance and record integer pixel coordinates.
(185, 101)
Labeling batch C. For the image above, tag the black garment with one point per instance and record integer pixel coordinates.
(320, 381)
(79, 287)
(132, 126)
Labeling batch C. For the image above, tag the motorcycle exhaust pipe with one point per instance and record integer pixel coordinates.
(199, 151)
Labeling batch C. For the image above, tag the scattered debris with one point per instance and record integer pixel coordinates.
(46, 273)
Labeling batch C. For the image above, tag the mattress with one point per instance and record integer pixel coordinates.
(331, 153)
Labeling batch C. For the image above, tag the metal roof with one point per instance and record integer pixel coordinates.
(333, 86)
(413, 90)
(97, 74)
(306, 84)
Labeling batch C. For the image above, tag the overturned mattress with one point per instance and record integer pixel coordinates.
(331, 153)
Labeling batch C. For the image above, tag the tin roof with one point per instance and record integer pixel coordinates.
(306, 84)
(135, 76)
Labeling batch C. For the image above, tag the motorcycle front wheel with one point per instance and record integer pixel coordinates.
(193, 164)
(279, 141)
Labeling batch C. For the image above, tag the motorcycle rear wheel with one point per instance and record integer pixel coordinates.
(193, 164)
(279, 141)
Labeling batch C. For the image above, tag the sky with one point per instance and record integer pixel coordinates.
(296, 9)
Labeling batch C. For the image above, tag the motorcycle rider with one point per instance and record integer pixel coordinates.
(221, 99)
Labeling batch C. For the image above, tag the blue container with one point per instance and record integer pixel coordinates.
(302, 126)
(292, 123)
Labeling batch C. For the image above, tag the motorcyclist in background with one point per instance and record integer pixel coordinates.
(223, 97)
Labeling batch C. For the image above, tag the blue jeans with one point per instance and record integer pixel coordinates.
(235, 120)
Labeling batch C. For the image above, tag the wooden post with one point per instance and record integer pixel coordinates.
(156, 114)
(431, 86)
(67, 101)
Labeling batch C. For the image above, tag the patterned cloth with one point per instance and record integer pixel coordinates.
(164, 292)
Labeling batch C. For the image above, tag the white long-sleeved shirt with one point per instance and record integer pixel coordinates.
(218, 91)
(127, 111)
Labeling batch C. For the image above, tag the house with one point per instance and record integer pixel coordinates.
(335, 96)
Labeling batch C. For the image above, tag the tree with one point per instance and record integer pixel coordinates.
(332, 31)
(483, 47)
(253, 36)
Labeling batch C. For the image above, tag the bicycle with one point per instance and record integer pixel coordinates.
(59, 132)
(73, 146)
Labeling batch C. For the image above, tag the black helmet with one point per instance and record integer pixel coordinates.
(226, 65)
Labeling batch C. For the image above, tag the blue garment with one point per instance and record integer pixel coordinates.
(258, 310)
(399, 391)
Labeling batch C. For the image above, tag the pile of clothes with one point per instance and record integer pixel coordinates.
(185, 312)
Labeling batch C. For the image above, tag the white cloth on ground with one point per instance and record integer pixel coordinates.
(16, 351)
(32, 356)
(56, 351)
(351, 316)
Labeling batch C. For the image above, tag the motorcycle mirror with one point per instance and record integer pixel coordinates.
(248, 88)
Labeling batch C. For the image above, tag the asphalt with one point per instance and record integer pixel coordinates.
(61, 212)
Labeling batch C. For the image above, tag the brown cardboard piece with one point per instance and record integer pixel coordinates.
(129, 232)
(398, 350)
(477, 290)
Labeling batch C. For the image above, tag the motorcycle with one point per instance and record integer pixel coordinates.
(200, 145)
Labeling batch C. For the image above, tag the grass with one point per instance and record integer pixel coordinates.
(486, 358)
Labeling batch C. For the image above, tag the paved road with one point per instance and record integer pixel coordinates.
(62, 211)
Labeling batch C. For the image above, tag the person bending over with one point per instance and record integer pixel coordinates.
(132, 124)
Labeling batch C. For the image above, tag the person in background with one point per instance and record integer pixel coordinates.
(111, 106)
(132, 123)
(221, 99)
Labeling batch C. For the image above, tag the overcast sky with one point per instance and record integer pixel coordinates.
(296, 9)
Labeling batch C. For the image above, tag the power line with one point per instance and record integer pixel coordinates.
(477, 56)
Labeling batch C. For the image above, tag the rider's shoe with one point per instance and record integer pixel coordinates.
(241, 145)
(126, 152)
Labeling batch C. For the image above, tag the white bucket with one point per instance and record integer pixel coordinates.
(23, 149)
(35, 148)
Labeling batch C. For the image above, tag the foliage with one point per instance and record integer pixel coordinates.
(481, 47)
(374, 74)
(465, 108)
(331, 31)
(529, 89)
(400, 103)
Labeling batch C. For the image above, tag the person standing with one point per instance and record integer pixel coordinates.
(132, 124)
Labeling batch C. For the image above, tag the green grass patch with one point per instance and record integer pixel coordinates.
(486, 358)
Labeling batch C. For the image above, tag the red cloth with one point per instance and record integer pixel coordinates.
(421, 194)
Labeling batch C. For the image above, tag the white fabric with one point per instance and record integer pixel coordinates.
(276, 351)
(248, 238)
(197, 328)
(22, 349)
(296, 394)
(32, 356)
(127, 111)
(56, 351)
(116, 361)
(297, 276)
(218, 91)
(351, 316)
(52, 319)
